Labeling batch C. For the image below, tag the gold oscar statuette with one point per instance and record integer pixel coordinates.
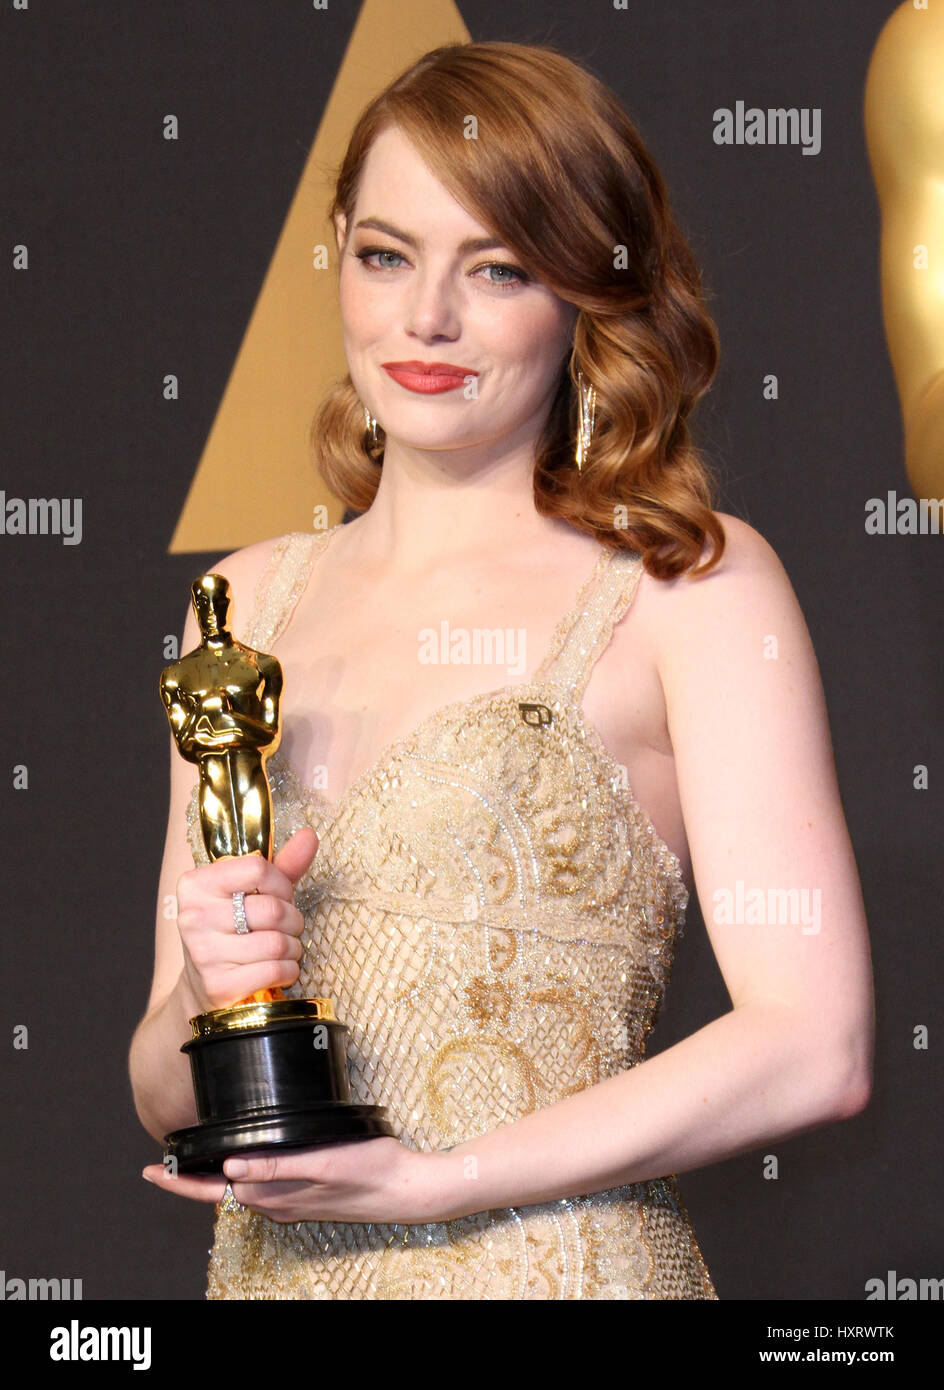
(268, 1071)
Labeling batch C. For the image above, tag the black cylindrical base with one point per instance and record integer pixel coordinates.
(268, 1078)
(202, 1148)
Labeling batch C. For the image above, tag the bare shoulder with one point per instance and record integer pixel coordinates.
(733, 654)
(740, 618)
(749, 580)
(246, 566)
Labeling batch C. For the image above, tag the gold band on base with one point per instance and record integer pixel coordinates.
(239, 1016)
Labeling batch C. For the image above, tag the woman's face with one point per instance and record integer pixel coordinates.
(420, 297)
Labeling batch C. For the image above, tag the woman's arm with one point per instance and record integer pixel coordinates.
(757, 782)
(159, 1071)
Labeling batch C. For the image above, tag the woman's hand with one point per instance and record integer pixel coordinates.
(222, 966)
(370, 1180)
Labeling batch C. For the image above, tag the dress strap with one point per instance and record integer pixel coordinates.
(281, 584)
(584, 633)
(579, 639)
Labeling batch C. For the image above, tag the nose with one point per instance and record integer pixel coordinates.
(431, 309)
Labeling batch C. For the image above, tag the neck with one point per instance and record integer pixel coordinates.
(434, 506)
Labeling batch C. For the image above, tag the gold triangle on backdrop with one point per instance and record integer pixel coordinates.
(256, 478)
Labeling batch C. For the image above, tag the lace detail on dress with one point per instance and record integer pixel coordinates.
(281, 585)
(607, 595)
(494, 919)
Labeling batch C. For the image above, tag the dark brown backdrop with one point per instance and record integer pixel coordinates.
(140, 266)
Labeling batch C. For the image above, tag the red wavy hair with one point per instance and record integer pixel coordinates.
(560, 174)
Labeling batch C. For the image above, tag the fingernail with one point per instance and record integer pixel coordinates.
(236, 1168)
(147, 1178)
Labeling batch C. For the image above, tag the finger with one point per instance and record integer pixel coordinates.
(249, 948)
(244, 873)
(239, 982)
(198, 1189)
(297, 853)
(283, 1165)
(264, 914)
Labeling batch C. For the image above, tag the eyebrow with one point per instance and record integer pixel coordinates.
(377, 224)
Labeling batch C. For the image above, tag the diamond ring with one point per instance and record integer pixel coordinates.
(239, 913)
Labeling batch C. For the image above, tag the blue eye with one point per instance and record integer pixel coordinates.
(520, 276)
(366, 256)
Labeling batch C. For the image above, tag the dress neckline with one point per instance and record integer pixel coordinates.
(541, 681)
(398, 746)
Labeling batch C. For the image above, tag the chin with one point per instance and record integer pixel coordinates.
(443, 440)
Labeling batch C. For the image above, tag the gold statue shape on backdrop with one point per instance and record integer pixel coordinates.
(904, 121)
(222, 703)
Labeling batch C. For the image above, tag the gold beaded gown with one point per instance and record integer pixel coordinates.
(494, 918)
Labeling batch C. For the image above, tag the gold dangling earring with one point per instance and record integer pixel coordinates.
(371, 425)
(587, 405)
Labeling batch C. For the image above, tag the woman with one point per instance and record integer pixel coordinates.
(478, 887)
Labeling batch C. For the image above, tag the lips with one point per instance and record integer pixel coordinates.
(428, 378)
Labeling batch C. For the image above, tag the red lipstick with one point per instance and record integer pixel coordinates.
(429, 378)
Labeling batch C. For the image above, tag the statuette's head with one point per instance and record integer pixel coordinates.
(211, 603)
